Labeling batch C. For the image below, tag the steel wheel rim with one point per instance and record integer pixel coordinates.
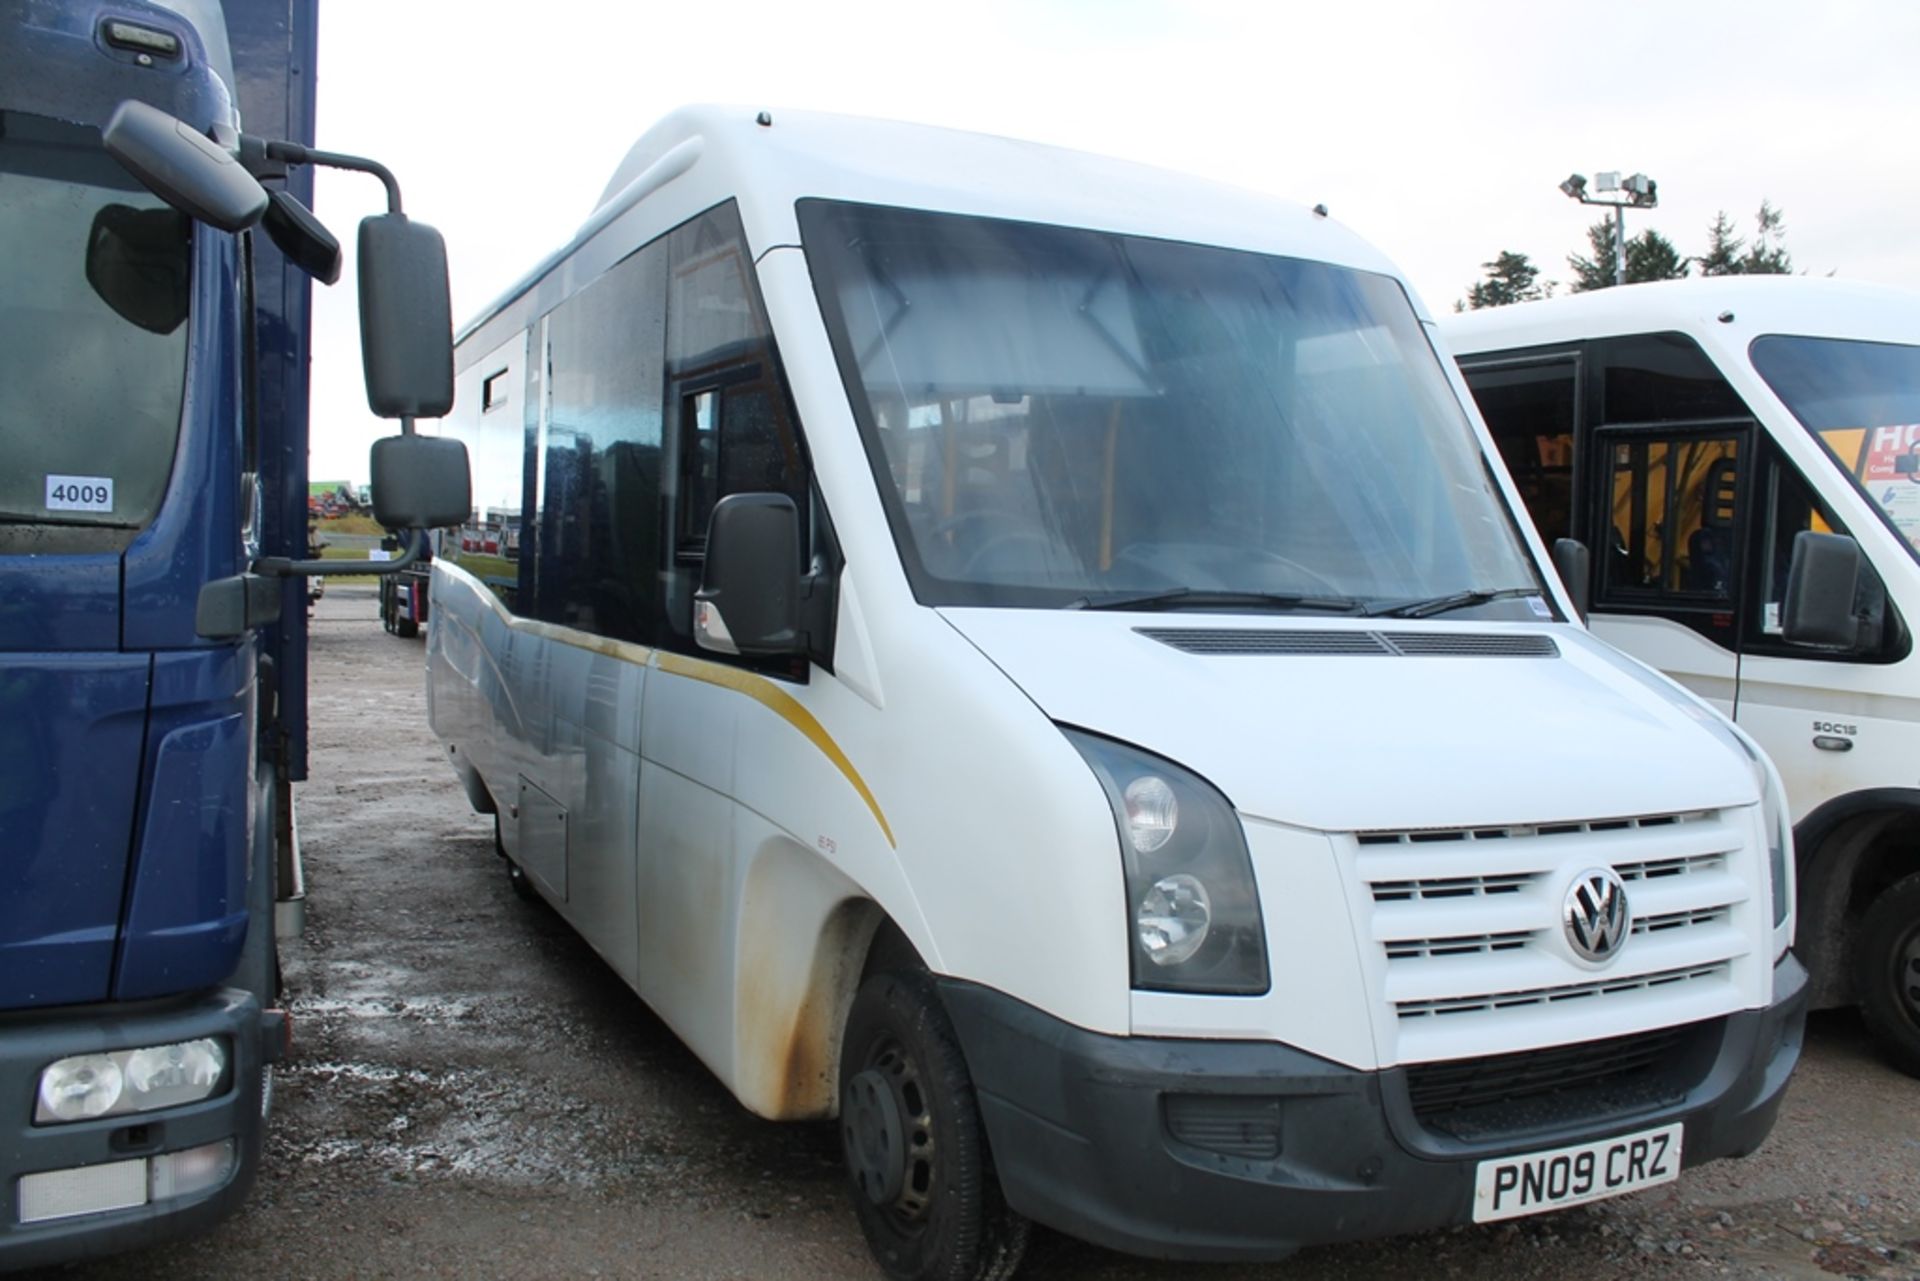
(890, 1063)
(1906, 973)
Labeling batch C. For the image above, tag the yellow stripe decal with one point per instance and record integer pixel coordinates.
(758, 688)
(787, 708)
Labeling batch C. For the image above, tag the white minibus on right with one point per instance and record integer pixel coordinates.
(1743, 458)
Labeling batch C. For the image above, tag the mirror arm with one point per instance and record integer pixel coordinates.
(261, 156)
(281, 567)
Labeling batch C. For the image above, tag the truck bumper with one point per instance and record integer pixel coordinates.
(1202, 1149)
(31, 1041)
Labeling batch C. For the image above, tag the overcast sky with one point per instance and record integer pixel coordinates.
(1439, 130)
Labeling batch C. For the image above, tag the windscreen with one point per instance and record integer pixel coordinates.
(93, 309)
(1059, 416)
(1861, 400)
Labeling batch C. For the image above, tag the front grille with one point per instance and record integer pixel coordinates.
(1468, 926)
(1535, 1089)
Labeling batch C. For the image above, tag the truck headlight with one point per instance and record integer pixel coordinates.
(86, 1086)
(1193, 912)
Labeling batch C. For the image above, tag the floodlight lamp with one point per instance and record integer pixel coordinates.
(1575, 186)
(1609, 181)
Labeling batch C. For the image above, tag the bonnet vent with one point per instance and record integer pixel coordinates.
(1314, 642)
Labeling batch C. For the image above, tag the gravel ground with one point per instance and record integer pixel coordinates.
(473, 1094)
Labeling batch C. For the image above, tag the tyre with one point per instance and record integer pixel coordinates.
(1886, 964)
(406, 628)
(918, 1167)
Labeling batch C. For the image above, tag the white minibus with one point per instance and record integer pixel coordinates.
(1743, 457)
(1033, 658)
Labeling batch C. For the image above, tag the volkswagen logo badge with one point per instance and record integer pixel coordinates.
(1595, 915)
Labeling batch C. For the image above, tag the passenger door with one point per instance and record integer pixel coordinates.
(1635, 446)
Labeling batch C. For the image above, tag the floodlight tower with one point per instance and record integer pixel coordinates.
(1636, 191)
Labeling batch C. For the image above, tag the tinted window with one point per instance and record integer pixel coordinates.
(598, 479)
(93, 331)
(1530, 411)
(1663, 378)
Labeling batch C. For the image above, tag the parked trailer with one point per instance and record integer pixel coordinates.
(1031, 656)
(1743, 457)
(153, 419)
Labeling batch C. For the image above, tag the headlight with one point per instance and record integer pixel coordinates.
(1192, 911)
(141, 1080)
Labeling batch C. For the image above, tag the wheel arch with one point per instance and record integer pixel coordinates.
(1846, 852)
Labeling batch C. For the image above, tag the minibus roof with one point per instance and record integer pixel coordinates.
(703, 155)
(1756, 304)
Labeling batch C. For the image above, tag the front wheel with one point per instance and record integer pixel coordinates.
(1887, 972)
(921, 1176)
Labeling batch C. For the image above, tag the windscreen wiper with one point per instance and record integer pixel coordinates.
(1432, 605)
(1203, 598)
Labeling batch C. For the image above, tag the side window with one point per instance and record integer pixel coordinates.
(598, 473)
(1530, 409)
(733, 424)
(1672, 519)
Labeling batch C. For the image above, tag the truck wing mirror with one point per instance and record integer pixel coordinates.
(1821, 581)
(303, 238)
(406, 320)
(749, 597)
(183, 167)
(420, 482)
(1574, 563)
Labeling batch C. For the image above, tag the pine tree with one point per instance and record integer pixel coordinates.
(1650, 256)
(1768, 257)
(1511, 278)
(1723, 248)
(1728, 255)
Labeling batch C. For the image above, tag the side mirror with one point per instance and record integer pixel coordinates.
(183, 167)
(420, 482)
(749, 597)
(1574, 563)
(1821, 580)
(303, 238)
(406, 320)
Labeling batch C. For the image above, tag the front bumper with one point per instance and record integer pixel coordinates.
(30, 1041)
(1235, 1150)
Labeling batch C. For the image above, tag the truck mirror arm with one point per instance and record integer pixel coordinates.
(282, 567)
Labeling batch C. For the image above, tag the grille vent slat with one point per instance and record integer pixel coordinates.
(1305, 642)
(1554, 995)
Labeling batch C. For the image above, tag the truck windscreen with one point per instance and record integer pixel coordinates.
(93, 332)
(1060, 416)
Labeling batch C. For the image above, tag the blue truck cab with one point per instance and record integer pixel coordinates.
(153, 454)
